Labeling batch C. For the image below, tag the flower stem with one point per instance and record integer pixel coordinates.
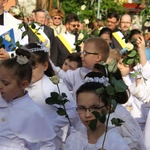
(106, 129)
(64, 106)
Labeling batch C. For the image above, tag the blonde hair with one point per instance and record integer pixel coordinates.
(114, 54)
(57, 12)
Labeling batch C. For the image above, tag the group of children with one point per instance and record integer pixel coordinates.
(27, 122)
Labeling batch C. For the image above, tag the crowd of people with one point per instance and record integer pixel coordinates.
(45, 47)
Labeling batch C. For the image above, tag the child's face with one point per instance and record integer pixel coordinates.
(69, 65)
(106, 37)
(38, 71)
(88, 102)
(90, 57)
(9, 87)
(124, 69)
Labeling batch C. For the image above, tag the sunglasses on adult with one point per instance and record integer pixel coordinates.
(75, 25)
(58, 18)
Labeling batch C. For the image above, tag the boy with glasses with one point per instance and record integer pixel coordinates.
(95, 51)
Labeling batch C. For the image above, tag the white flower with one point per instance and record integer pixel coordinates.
(16, 11)
(86, 21)
(129, 46)
(83, 7)
(22, 59)
(55, 79)
(81, 36)
(7, 37)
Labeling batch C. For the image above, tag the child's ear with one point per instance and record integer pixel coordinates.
(45, 66)
(24, 84)
(99, 58)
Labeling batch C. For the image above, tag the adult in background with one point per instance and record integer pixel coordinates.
(9, 24)
(113, 20)
(42, 33)
(125, 23)
(65, 41)
(58, 27)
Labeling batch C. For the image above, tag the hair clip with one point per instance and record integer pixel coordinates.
(103, 80)
(22, 59)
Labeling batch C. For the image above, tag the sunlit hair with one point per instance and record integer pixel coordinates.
(100, 46)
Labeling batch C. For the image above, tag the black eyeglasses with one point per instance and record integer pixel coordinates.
(75, 25)
(86, 53)
(82, 109)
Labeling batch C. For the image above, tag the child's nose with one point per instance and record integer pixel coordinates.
(88, 113)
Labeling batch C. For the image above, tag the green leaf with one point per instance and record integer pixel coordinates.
(55, 95)
(51, 101)
(132, 53)
(120, 86)
(33, 26)
(112, 67)
(102, 117)
(113, 105)
(20, 25)
(99, 91)
(117, 121)
(110, 90)
(130, 61)
(24, 34)
(63, 102)
(134, 75)
(93, 124)
(61, 112)
(64, 95)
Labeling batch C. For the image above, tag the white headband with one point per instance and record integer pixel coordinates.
(103, 80)
(41, 48)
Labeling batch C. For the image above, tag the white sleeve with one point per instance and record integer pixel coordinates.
(66, 76)
(145, 70)
(130, 129)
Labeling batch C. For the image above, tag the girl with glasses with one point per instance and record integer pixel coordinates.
(88, 101)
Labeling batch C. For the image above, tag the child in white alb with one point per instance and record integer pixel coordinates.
(23, 125)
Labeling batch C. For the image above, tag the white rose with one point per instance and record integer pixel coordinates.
(16, 11)
(86, 21)
(55, 79)
(7, 37)
(83, 7)
(81, 36)
(129, 46)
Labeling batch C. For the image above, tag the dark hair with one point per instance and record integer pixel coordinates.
(106, 30)
(113, 15)
(71, 17)
(100, 69)
(100, 45)
(120, 97)
(92, 87)
(133, 32)
(20, 72)
(75, 57)
(39, 56)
